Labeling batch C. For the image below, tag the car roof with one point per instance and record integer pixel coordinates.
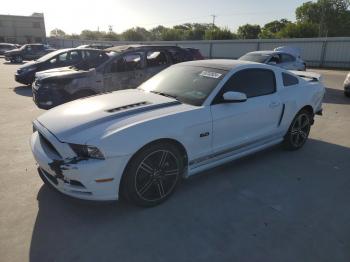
(123, 48)
(269, 52)
(7, 44)
(223, 64)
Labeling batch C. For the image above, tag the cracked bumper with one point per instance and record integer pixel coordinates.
(79, 179)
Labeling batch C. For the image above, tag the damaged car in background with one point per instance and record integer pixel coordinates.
(60, 58)
(123, 67)
(286, 57)
(139, 143)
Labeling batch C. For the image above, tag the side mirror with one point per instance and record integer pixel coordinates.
(272, 63)
(234, 97)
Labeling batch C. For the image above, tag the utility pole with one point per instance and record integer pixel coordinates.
(214, 16)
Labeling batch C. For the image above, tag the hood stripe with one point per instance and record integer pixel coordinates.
(117, 115)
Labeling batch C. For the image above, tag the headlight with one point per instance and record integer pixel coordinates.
(86, 151)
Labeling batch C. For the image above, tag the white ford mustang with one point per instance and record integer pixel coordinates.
(190, 117)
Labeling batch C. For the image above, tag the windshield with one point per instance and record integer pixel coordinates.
(259, 58)
(188, 84)
(50, 55)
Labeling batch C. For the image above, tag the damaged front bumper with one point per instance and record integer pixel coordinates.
(88, 179)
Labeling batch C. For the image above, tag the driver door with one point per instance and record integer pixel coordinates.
(124, 72)
(239, 124)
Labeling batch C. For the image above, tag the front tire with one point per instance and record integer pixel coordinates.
(298, 131)
(152, 174)
(18, 59)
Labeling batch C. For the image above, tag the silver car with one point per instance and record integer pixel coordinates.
(286, 60)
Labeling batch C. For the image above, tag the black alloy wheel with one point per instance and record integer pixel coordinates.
(153, 175)
(299, 130)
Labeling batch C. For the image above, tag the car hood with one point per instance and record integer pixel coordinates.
(60, 72)
(78, 116)
(28, 64)
(13, 51)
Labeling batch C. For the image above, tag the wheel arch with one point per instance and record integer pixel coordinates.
(171, 141)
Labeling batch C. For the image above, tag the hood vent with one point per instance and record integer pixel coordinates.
(122, 108)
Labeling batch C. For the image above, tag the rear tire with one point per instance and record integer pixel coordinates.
(152, 175)
(298, 131)
(347, 94)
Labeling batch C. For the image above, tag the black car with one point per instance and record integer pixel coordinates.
(60, 58)
(123, 67)
(27, 52)
(6, 47)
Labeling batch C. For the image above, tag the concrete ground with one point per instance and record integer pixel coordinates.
(272, 206)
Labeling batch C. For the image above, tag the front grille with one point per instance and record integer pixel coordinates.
(127, 107)
(48, 145)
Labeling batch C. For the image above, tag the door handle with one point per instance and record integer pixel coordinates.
(274, 104)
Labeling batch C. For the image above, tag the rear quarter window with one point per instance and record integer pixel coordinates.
(289, 80)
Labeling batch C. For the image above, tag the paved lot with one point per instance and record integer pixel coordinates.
(272, 206)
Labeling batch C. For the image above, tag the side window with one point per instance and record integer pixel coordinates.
(74, 56)
(29, 48)
(53, 61)
(156, 58)
(289, 80)
(128, 62)
(177, 56)
(287, 58)
(63, 57)
(276, 59)
(252, 82)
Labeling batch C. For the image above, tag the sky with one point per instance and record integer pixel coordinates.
(73, 16)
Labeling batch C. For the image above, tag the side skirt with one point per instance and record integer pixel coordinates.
(218, 160)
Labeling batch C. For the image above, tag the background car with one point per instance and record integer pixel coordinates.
(190, 117)
(126, 67)
(285, 57)
(347, 86)
(60, 58)
(6, 47)
(27, 52)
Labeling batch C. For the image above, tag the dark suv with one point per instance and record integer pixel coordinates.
(60, 58)
(27, 52)
(126, 67)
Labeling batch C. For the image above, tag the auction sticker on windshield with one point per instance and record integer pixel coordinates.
(210, 74)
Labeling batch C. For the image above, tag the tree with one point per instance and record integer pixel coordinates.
(171, 34)
(136, 34)
(331, 16)
(156, 32)
(92, 35)
(57, 33)
(271, 29)
(219, 34)
(249, 31)
(298, 30)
